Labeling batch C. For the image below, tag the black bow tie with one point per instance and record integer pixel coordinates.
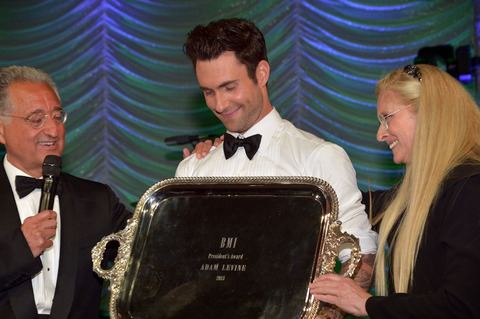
(231, 144)
(25, 185)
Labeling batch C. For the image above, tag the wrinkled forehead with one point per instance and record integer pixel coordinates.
(30, 97)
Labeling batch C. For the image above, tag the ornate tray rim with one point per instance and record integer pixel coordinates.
(325, 263)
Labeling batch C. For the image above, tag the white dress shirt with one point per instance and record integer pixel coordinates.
(45, 281)
(288, 151)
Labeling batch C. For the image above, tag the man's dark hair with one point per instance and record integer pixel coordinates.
(238, 35)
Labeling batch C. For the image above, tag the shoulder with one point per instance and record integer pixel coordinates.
(190, 165)
(459, 197)
(77, 180)
(463, 179)
(307, 141)
(77, 183)
(314, 156)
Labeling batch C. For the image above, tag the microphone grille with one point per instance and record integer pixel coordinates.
(52, 165)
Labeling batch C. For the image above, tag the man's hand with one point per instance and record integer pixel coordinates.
(202, 148)
(38, 231)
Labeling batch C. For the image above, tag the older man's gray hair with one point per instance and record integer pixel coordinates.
(14, 74)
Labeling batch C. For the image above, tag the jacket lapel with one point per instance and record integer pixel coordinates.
(62, 302)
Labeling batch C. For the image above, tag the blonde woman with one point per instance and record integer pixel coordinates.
(431, 221)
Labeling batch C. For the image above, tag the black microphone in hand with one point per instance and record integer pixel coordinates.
(52, 167)
(185, 139)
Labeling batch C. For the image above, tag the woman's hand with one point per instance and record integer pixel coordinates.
(342, 292)
(203, 148)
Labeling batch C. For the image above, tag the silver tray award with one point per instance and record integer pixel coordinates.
(241, 248)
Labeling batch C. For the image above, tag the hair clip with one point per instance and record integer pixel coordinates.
(413, 71)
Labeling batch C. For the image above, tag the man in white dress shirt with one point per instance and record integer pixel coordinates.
(230, 60)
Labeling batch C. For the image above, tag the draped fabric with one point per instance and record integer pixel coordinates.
(127, 85)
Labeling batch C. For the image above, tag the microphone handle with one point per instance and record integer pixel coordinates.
(185, 139)
(49, 190)
(182, 139)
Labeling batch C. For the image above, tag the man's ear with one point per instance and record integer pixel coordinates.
(262, 73)
(2, 128)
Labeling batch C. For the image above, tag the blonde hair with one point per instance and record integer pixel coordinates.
(447, 134)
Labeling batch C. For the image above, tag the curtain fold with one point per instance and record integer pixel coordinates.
(127, 85)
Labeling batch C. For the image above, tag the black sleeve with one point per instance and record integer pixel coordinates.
(119, 216)
(375, 203)
(17, 263)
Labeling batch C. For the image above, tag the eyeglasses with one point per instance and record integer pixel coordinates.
(38, 120)
(383, 118)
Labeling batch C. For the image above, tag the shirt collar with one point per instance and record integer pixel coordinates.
(265, 127)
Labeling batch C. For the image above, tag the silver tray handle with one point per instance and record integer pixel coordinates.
(335, 239)
(116, 273)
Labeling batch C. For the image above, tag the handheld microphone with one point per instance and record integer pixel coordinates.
(185, 139)
(52, 167)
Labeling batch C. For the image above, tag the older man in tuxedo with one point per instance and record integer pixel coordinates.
(45, 264)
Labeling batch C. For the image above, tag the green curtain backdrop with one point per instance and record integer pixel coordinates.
(127, 85)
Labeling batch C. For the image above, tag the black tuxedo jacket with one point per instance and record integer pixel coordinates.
(89, 211)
